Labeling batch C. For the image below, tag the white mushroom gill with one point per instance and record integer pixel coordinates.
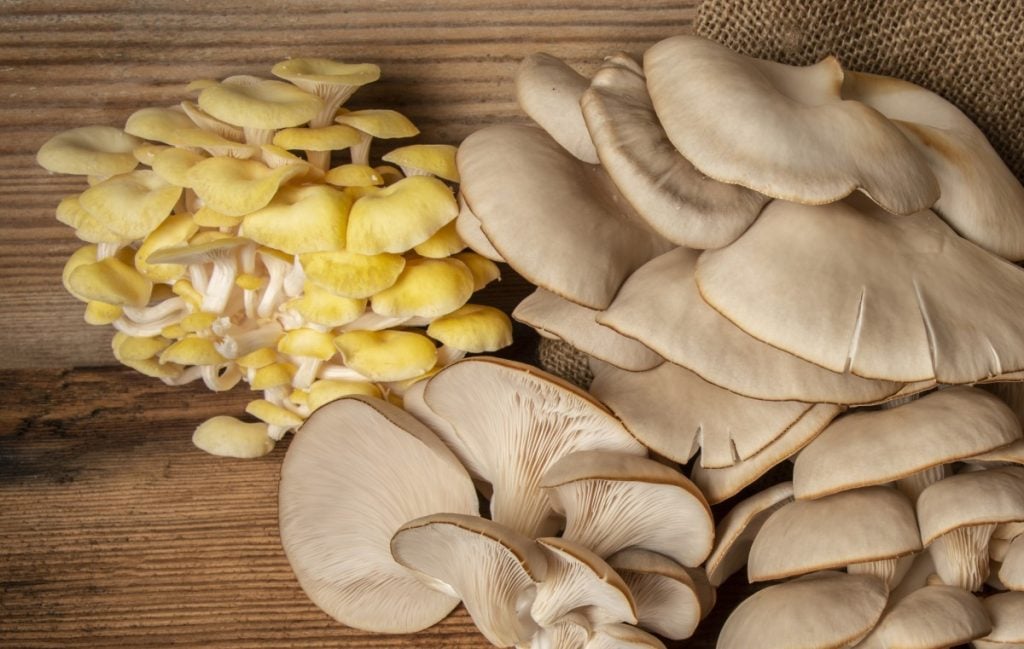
(961, 556)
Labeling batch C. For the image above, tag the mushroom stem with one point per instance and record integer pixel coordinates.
(361, 151)
(336, 372)
(914, 484)
(221, 282)
(190, 374)
(104, 250)
(319, 159)
(197, 275)
(238, 343)
(220, 378)
(891, 571)
(961, 556)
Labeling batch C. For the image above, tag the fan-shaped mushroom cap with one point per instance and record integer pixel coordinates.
(876, 447)
(360, 469)
(473, 328)
(428, 288)
(89, 151)
(819, 611)
(736, 531)
(259, 103)
(332, 81)
(387, 355)
(1011, 572)
(172, 164)
(509, 422)
(933, 617)
(400, 216)
(110, 280)
(324, 138)
(559, 318)
(661, 299)
(1012, 453)
(679, 202)
(894, 299)
(517, 181)
(670, 599)
(571, 632)
(577, 578)
(1007, 613)
(130, 205)
(981, 198)
(675, 412)
(622, 636)
(238, 187)
(612, 501)
(425, 160)
(386, 124)
(869, 524)
(490, 567)
(781, 130)
(350, 274)
(303, 219)
(549, 92)
(230, 437)
(468, 227)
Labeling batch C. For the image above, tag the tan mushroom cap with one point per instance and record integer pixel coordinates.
(675, 412)
(400, 216)
(354, 456)
(1007, 613)
(735, 533)
(613, 501)
(966, 499)
(819, 611)
(555, 317)
(622, 636)
(895, 299)
(298, 220)
(661, 299)
(857, 526)
(1012, 453)
(549, 91)
(522, 420)
(577, 578)
(490, 567)
(468, 227)
(1011, 572)
(130, 205)
(516, 179)
(89, 151)
(679, 202)
(933, 617)
(781, 130)
(981, 198)
(259, 103)
(876, 447)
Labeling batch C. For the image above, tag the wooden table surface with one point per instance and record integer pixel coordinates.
(114, 530)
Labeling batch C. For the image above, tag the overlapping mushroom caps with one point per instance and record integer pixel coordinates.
(233, 259)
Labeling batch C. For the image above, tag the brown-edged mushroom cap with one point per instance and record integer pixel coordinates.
(1007, 613)
(89, 151)
(675, 412)
(736, 531)
(579, 579)
(933, 617)
(518, 182)
(661, 299)
(876, 447)
(511, 422)
(820, 611)
(490, 567)
(781, 130)
(1011, 572)
(359, 470)
(467, 225)
(670, 599)
(679, 202)
(981, 198)
(622, 636)
(899, 299)
(872, 524)
(549, 91)
(559, 318)
(613, 501)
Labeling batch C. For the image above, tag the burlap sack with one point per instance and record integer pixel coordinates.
(566, 361)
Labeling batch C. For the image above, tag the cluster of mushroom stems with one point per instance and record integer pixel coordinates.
(223, 247)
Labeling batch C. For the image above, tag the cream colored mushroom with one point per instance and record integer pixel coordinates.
(578, 579)
(736, 531)
(549, 91)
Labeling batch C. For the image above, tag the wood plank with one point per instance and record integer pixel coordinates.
(64, 64)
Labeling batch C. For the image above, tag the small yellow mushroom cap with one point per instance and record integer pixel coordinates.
(131, 205)
(320, 306)
(400, 216)
(87, 228)
(426, 159)
(183, 288)
(173, 332)
(258, 358)
(380, 123)
(238, 187)
(137, 348)
(249, 282)
(272, 414)
(301, 219)
(327, 390)
(387, 355)
(152, 368)
(428, 288)
(484, 270)
(172, 165)
(208, 217)
(158, 124)
(324, 138)
(81, 257)
(310, 73)
(444, 243)
(350, 274)
(274, 375)
(198, 321)
(110, 280)
(261, 104)
(354, 175)
(100, 313)
(473, 328)
(229, 437)
(307, 342)
(89, 151)
(174, 231)
(192, 350)
(390, 174)
(145, 152)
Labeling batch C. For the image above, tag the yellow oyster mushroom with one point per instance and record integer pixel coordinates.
(198, 321)
(484, 270)
(259, 106)
(427, 288)
(279, 420)
(300, 220)
(270, 376)
(183, 288)
(443, 243)
(400, 216)
(390, 174)
(387, 355)
(175, 230)
(318, 142)
(81, 257)
(322, 307)
(350, 274)
(89, 151)
(111, 281)
(238, 187)
(173, 164)
(145, 152)
(425, 160)
(192, 350)
(137, 348)
(208, 217)
(379, 123)
(158, 124)
(101, 313)
(131, 205)
(230, 437)
(327, 390)
(258, 358)
(354, 175)
(155, 369)
(87, 228)
(331, 81)
(209, 123)
(473, 328)
(307, 342)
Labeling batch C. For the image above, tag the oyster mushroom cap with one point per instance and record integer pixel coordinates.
(549, 91)
(467, 225)
(736, 531)
(259, 103)
(89, 151)
(1007, 613)
(1011, 572)
(622, 636)
(932, 617)
(360, 470)
(781, 130)
(893, 299)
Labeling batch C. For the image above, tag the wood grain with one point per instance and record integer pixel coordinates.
(448, 66)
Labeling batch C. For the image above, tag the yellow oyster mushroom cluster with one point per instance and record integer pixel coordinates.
(222, 246)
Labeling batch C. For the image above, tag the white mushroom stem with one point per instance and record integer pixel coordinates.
(371, 321)
(190, 374)
(306, 371)
(197, 275)
(223, 377)
(221, 282)
(961, 556)
(258, 136)
(891, 571)
(159, 311)
(336, 372)
(319, 159)
(104, 250)
(446, 355)
(273, 292)
(239, 342)
(295, 279)
(914, 484)
(361, 150)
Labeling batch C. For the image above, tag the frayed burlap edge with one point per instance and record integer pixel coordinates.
(562, 359)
